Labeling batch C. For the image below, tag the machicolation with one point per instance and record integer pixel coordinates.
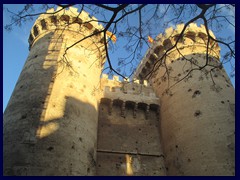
(69, 119)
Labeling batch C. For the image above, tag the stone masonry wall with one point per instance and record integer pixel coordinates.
(197, 123)
(50, 123)
(128, 144)
(128, 129)
(63, 118)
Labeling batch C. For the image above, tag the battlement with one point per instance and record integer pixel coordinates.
(69, 19)
(193, 28)
(126, 90)
(193, 32)
(193, 41)
(116, 79)
(135, 94)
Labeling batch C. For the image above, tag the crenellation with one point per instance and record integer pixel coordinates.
(51, 10)
(193, 40)
(168, 33)
(176, 123)
(90, 124)
(129, 104)
(179, 28)
(55, 20)
(53, 97)
(74, 11)
(104, 76)
(58, 9)
(116, 78)
(193, 27)
(133, 91)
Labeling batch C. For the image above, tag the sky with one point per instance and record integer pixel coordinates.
(15, 51)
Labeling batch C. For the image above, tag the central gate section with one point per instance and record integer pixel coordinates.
(128, 135)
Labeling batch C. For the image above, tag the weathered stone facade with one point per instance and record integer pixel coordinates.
(197, 123)
(64, 118)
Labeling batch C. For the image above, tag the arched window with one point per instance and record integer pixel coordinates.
(43, 24)
(35, 30)
(30, 39)
(167, 44)
(53, 20)
(158, 50)
(65, 18)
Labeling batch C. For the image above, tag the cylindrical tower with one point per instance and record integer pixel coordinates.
(50, 123)
(197, 103)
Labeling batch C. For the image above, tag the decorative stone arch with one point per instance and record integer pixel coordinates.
(43, 24)
(176, 37)
(152, 58)
(144, 70)
(30, 39)
(148, 64)
(117, 102)
(121, 104)
(154, 107)
(130, 104)
(167, 44)
(36, 30)
(158, 50)
(105, 101)
(203, 37)
(191, 35)
(108, 102)
(53, 20)
(65, 18)
(142, 106)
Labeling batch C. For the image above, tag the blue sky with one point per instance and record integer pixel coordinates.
(15, 51)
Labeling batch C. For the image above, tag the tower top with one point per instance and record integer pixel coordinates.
(63, 19)
(192, 29)
(193, 40)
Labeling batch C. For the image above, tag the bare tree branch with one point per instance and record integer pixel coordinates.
(134, 34)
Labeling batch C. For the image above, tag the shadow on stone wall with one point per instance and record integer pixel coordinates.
(69, 144)
(25, 108)
(60, 151)
(66, 148)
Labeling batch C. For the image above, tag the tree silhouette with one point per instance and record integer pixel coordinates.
(132, 24)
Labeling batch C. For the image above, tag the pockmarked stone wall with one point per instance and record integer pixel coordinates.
(197, 122)
(128, 130)
(50, 123)
(66, 118)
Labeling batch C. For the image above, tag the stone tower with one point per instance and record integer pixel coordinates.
(63, 119)
(53, 109)
(197, 113)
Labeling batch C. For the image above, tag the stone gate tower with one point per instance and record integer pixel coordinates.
(197, 107)
(180, 122)
(53, 109)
